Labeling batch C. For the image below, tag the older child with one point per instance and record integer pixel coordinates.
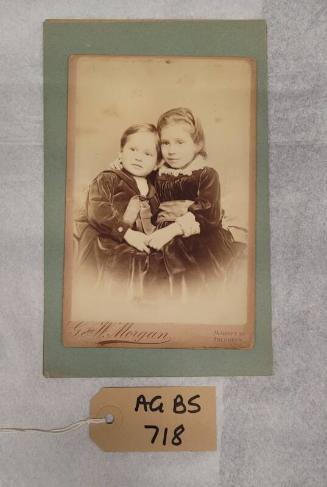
(189, 194)
(120, 205)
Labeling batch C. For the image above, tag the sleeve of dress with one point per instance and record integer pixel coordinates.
(101, 212)
(206, 207)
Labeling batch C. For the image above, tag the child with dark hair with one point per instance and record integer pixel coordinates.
(198, 250)
(112, 248)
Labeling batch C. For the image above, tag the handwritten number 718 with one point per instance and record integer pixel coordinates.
(176, 439)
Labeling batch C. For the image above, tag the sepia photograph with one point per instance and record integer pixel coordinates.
(160, 202)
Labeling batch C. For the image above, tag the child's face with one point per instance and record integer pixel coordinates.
(177, 146)
(139, 154)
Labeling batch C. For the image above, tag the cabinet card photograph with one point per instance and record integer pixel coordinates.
(160, 202)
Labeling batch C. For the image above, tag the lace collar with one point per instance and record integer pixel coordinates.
(198, 163)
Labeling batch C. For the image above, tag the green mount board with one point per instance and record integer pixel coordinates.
(160, 38)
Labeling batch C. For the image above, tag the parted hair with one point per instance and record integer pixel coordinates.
(142, 127)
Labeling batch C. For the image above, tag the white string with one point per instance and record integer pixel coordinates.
(65, 429)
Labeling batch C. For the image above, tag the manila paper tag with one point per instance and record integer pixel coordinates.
(154, 419)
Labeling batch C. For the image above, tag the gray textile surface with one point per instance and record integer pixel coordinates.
(272, 431)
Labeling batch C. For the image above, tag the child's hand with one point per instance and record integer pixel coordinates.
(137, 240)
(193, 229)
(189, 224)
(117, 164)
(161, 237)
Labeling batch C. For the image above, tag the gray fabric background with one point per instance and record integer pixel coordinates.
(272, 431)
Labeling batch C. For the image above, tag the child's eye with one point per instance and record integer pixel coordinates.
(148, 154)
(132, 149)
(164, 142)
(180, 142)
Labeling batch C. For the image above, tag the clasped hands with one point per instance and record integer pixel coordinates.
(184, 226)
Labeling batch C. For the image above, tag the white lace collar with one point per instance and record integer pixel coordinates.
(198, 163)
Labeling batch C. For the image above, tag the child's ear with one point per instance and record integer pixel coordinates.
(117, 163)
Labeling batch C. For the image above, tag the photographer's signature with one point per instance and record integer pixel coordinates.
(110, 332)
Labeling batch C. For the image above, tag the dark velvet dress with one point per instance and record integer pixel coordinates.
(104, 258)
(203, 259)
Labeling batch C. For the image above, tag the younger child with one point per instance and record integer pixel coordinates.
(119, 209)
(189, 194)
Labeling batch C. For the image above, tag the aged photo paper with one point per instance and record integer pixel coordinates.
(160, 202)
